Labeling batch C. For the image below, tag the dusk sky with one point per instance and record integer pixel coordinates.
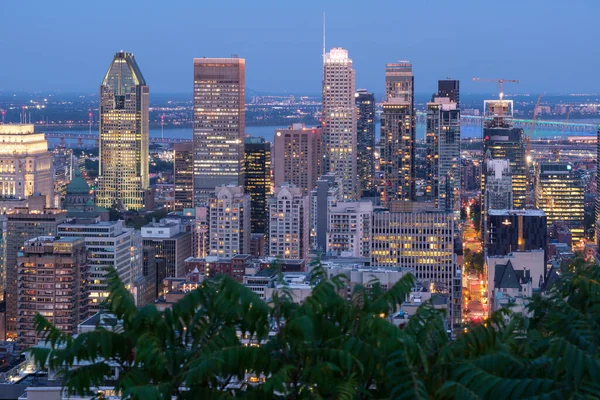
(549, 45)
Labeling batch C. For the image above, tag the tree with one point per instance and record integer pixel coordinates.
(223, 341)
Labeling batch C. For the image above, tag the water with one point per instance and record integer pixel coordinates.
(268, 132)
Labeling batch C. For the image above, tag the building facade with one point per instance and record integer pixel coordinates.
(229, 222)
(183, 175)
(171, 242)
(339, 120)
(219, 124)
(258, 182)
(288, 222)
(124, 127)
(559, 191)
(52, 282)
(515, 230)
(349, 229)
(443, 149)
(398, 129)
(109, 244)
(26, 165)
(325, 195)
(297, 156)
(365, 138)
(22, 224)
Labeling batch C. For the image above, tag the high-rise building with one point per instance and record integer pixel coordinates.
(425, 242)
(515, 230)
(498, 191)
(123, 172)
(229, 221)
(24, 223)
(559, 191)
(365, 137)
(297, 156)
(183, 175)
(109, 244)
(288, 222)
(339, 120)
(171, 242)
(597, 220)
(52, 282)
(325, 195)
(443, 148)
(502, 141)
(219, 124)
(349, 229)
(26, 166)
(258, 183)
(398, 134)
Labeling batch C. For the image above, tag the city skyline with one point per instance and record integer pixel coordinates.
(291, 34)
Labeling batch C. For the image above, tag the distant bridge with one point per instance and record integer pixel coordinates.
(526, 123)
(81, 137)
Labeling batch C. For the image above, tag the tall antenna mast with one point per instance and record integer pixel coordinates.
(324, 38)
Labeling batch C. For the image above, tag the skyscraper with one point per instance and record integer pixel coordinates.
(559, 191)
(339, 120)
(219, 125)
(365, 137)
(597, 222)
(288, 222)
(123, 172)
(52, 281)
(183, 176)
(398, 133)
(258, 181)
(25, 166)
(24, 223)
(443, 148)
(297, 156)
(229, 222)
(516, 230)
(502, 141)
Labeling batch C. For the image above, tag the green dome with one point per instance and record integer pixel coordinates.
(78, 185)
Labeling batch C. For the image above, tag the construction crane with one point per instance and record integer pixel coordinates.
(528, 158)
(500, 82)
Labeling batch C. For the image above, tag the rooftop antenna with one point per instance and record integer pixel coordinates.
(162, 126)
(323, 37)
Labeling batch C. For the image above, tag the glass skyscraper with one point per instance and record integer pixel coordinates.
(219, 125)
(365, 137)
(258, 181)
(123, 175)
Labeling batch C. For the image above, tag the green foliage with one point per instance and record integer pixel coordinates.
(223, 341)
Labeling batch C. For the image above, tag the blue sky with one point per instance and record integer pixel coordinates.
(549, 45)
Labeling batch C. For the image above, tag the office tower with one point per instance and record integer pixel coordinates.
(171, 242)
(349, 229)
(258, 181)
(78, 201)
(471, 174)
(449, 88)
(597, 219)
(502, 141)
(288, 222)
(229, 221)
(443, 148)
(297, 156)
(109, 244)
(515, 230)
(123, 172)
(423, 241)
(559, 191)
(325, 195)
(183, 175)
(498, 191)
(146, 284)
(398, 134)
(219, 126)
(22, 224)
(365, 138)
(339, 120)
(26, 166)
(52, 282)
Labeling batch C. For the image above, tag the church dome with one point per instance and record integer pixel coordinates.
(78, 185)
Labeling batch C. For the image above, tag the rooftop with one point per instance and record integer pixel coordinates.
(525, 213)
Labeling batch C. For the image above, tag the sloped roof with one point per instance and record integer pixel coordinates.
(505, 277)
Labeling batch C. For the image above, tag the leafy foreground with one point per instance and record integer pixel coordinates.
(216, 343)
